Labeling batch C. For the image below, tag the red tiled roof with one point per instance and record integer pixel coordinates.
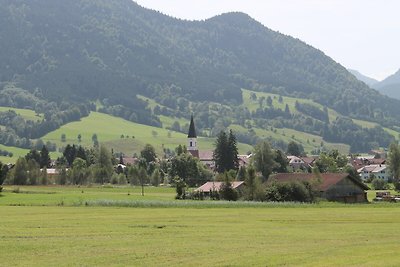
(328, 179)
(216, 186)
(129, 160)
(308, 160)
(194, 153)
(206, 154)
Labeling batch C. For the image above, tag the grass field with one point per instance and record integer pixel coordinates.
(109, 130)
(27, 114)
(325, 234)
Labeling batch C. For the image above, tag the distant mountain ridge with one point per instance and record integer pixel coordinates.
(367, 80)
(390, 86)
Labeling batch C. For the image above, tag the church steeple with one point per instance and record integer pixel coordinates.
(192, 130)
(192, 139)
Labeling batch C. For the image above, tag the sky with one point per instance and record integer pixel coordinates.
(359, 34)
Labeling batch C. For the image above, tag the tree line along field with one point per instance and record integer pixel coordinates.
(37, 229)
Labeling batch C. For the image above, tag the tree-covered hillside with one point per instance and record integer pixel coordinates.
(109, 51)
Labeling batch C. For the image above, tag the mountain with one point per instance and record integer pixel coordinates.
(367, 80)
(65, 58)
(390, 86)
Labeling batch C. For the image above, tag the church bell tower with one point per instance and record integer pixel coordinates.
(192, 140)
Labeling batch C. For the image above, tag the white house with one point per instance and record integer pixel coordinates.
(380, 171)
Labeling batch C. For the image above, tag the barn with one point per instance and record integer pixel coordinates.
(332, 186)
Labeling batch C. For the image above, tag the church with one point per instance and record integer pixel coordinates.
(205, 156)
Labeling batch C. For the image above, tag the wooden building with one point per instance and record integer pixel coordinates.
(332, 186)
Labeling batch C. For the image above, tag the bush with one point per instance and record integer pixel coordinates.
(122, 179)
(114, 178)
(228, 193)
(290, 191)
(396, 185)
(379, 184)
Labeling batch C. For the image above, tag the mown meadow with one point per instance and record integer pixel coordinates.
(117, 226)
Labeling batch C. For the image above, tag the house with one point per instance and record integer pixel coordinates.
(310, 161)
(129, 161)
(216, 187)
(297, 163)
(380, 171)
(360, 162)
(244, 160)
(206, 157)
(379, 154)
(332, 186)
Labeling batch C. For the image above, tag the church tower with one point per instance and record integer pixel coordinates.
(192, 140)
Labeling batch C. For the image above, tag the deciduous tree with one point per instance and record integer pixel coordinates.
(263, 159)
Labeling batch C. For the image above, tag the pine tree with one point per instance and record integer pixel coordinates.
(233, 163)
(44, 157)
(226, 152)
(221, 152)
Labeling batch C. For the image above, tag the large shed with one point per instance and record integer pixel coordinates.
(332, 186)
(216, 186)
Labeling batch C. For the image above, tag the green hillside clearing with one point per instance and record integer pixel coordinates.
(27, 114)
(109, 130)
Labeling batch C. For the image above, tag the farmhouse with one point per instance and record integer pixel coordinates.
(216, 186)
(380, 171)
(332, 186)
(297, 163)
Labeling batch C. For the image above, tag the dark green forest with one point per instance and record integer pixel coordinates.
(60, 57)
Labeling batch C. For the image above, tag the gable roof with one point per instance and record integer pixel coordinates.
(192, 130)
(372, 168)
(206, 155)
(308, 160)
(327, 179)
(216, 186)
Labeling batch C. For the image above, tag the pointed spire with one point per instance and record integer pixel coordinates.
(192, 130)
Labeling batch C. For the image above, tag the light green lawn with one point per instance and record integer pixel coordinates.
(27, 114)
(231, 235)
(308, 141)
(168, 121)
(290, 101)
(109, 130)
(17, 152)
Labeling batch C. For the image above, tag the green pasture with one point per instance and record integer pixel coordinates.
(17, 152)
(76, 195)
(37, 229)
(27, 114)
(308, 141)
(109, 130)
(252, 105)
(290, 101)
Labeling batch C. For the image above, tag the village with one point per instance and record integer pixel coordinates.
(205, 174)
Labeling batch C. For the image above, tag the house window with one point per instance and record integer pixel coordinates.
(191, 144)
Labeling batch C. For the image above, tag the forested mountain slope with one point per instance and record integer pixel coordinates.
(82, 51)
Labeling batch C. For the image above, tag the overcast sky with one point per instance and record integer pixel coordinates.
(359, 34)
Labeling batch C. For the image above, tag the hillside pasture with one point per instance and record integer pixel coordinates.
(27, 114)
(127, 136)
(308, 141)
